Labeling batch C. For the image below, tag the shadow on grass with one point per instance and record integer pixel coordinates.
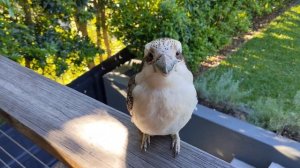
(269, 63)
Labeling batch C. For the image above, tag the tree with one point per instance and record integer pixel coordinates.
(82, 15)
(39, 34)
(101, 24)
(101, 4)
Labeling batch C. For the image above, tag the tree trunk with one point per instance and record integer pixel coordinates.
(90, 64)
(27, 62)
(82, 27)
(26, 7)
(104, 26)
(98, 27)
(28, 22)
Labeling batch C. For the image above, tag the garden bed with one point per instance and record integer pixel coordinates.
(261, 80)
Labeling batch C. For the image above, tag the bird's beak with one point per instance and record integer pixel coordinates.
(165, 64)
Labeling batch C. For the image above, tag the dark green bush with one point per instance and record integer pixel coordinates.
(203, 26)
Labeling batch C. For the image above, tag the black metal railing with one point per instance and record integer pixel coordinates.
(91, 83)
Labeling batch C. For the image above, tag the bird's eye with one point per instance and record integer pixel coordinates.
(179, 55)
(149, 58)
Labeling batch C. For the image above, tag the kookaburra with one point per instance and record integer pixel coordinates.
(161, 97)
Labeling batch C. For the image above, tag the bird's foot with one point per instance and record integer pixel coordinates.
(175, 144)
(145, 142)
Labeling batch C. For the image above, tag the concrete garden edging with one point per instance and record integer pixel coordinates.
(227, 137)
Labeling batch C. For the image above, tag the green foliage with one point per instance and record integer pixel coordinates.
(222, 90)
(258, 8)
(202, 26)
(272, 114)
(268, 113)
(7, 4)
(40, 33)
(296, 101)
(268, 65)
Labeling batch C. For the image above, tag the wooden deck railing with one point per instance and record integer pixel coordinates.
(80, 131)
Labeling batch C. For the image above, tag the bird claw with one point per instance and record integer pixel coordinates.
(175, 144)
(145, 142)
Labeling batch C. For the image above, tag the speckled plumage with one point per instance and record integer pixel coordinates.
(129, 100)
(162, 97)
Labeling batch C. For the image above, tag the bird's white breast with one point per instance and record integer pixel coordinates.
(163, 104)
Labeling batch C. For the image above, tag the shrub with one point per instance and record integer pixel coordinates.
(272, 114)
(268, 113)
(297, 101)
(202, 26)
(221, 90)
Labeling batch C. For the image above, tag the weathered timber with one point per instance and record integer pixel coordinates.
(81, 131)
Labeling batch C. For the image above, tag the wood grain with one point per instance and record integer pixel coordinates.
(81, 131)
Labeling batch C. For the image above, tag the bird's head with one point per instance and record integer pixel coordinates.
(163, 54)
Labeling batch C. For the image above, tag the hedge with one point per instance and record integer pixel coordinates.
(203, 26)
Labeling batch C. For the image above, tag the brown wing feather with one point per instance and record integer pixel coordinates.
(129, 100)
(130, 87)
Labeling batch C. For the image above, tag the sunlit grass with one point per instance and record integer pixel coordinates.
(269, 66)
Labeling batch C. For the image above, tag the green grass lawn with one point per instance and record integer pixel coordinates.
(263, 76)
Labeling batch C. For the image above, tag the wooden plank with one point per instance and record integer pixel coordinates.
(81, 131)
